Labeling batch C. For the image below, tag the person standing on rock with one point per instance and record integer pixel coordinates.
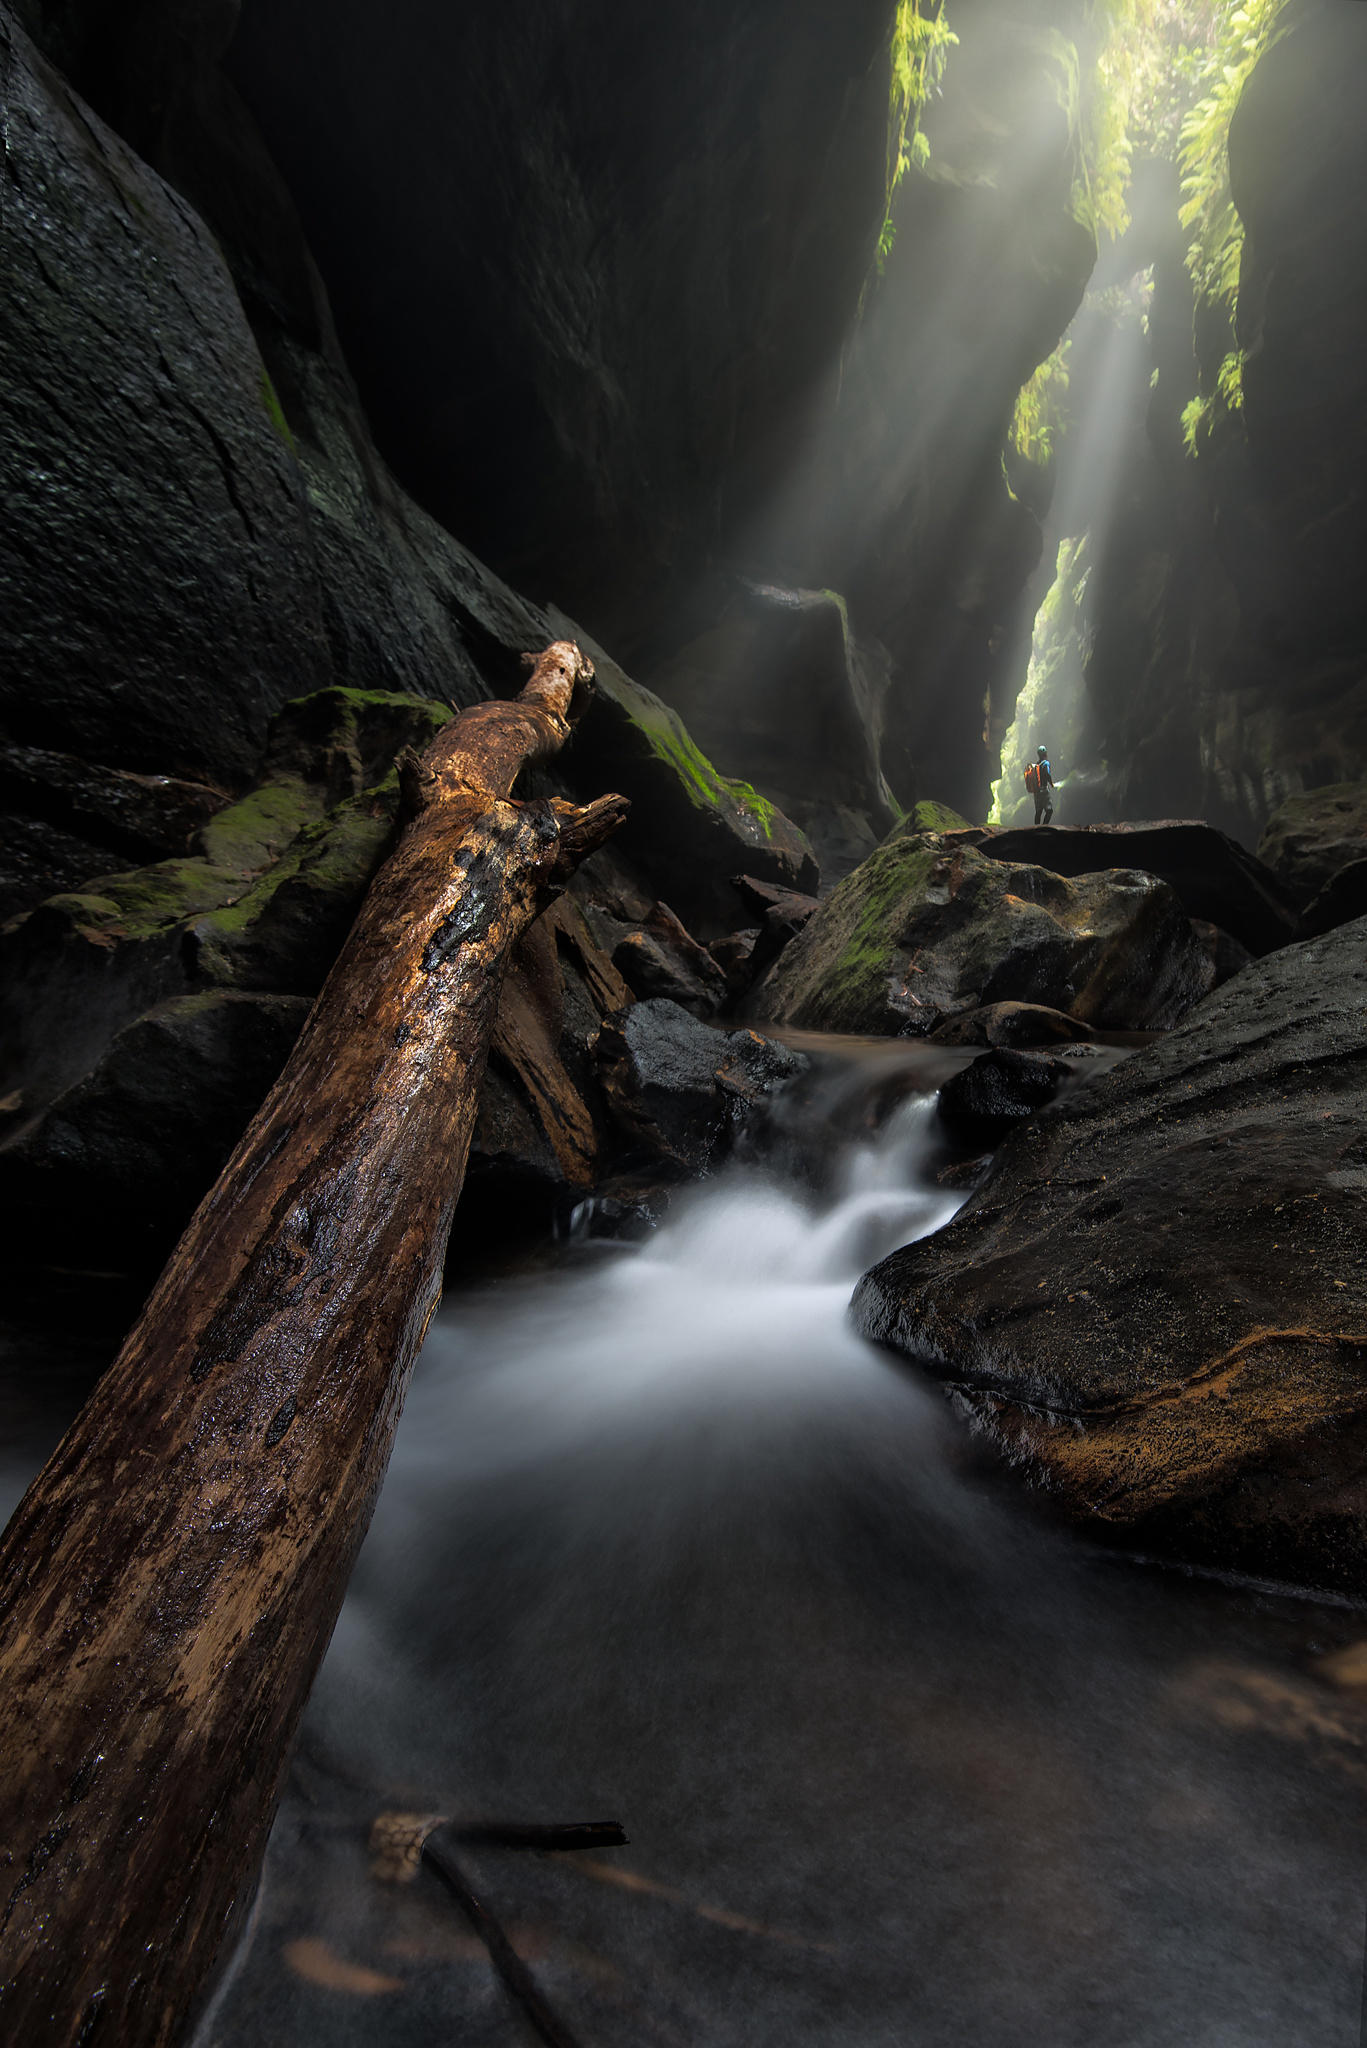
(1039, 782)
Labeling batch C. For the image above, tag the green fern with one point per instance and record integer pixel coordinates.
(1041, 411)
(1215, 254)
(921, 42)
(1244, 33)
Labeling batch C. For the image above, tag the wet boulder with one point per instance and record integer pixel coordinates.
(785, 912)
(1312, 836)
(678, 1089)
(662, 958)
(108, 1175)
(931, 926)
(650, 967)
(63, 819)
(1213, 877)
(1226, 954)
(1011, 1024)
(998, 1092)
(1155, 1305)
(1343, 898)
(734, 953)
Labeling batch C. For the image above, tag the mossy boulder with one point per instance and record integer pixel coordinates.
(929, 926)
(262, 902)
(285, 932)
(1314, 835)
(691, 828)
(779, 688)
(931, 817)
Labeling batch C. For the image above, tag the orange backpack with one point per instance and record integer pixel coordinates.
(1032, 778)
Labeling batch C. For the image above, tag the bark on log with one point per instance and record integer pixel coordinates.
(170, 1581)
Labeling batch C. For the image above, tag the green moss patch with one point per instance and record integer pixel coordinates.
(250, 834)
(284, 932)
(146, 901)
(928, 817)
(834, 976)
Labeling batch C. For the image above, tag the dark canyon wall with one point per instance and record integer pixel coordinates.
(607, 285)
(1229, 660)
(622, 257)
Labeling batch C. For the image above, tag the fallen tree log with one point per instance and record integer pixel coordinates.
(171, 1579)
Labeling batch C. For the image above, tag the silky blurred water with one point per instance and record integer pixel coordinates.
(663, 1540)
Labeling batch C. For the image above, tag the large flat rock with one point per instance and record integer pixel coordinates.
(1156, 1304)
(1213, 876)
(930, 927)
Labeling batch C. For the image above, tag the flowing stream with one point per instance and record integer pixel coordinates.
(663, 1540)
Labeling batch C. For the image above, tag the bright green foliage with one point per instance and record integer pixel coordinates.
(1242, 34)
(1167, 78)
(921, 43)
(1214, 257)
(1048, 709)
(1200, 415)
(1150, 56)
(1041, 411)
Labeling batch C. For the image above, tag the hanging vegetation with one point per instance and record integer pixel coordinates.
(921, 42)
(1041, 408)
(1214, 256)
(1151, 59)
(1167, 79)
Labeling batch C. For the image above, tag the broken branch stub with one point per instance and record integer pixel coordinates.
(169, 1583)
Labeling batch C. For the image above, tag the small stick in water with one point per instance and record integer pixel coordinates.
(517, 1978)
(575, 1834)
(397, 1839)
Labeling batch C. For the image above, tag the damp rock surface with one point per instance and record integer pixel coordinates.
(1312, 837)
(678, 1088)
(1155, 1305)
(930, 926)
(1214, 877)
(999, 1091)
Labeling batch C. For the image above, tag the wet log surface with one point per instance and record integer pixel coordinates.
(170, 1582)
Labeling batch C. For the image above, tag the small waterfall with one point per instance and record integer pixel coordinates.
(662, 1539)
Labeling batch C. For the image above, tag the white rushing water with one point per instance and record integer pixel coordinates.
(664, 1540)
